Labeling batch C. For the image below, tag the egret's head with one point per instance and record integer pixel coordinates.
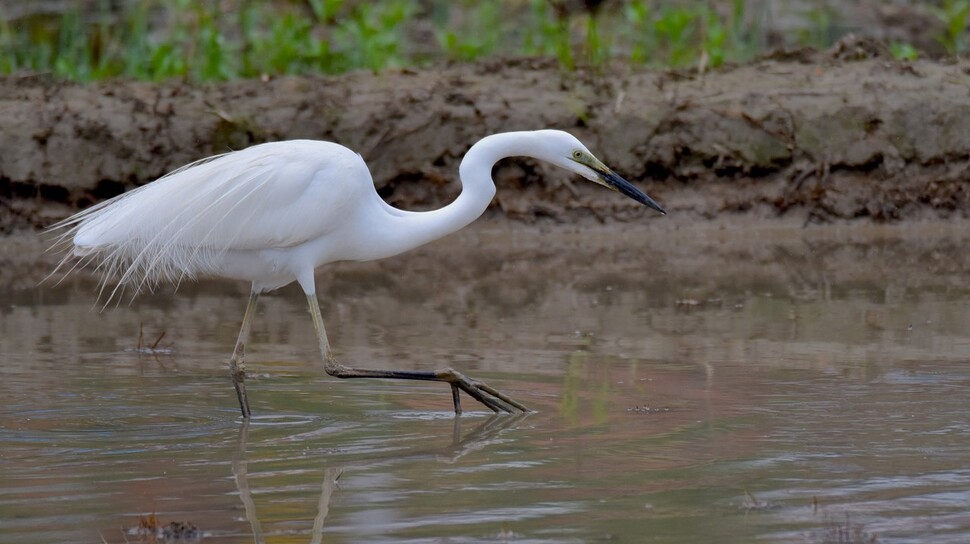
(564, 150)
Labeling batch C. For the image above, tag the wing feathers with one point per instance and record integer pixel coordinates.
(181, 225)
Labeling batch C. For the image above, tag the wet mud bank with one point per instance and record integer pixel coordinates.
(844, 134)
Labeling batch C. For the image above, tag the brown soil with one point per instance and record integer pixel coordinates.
(798, 136)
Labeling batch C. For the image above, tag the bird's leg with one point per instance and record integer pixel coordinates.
(237, 363)
(482, 392)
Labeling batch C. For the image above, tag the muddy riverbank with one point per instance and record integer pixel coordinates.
(843, 134)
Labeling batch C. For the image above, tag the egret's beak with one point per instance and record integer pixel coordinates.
(611, 180)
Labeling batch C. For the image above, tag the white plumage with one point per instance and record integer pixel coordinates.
(190, 222)
(274, 212)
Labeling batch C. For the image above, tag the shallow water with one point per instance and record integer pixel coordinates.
(796, 385)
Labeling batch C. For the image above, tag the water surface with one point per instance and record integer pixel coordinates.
(790, 385)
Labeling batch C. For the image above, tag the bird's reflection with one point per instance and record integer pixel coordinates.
(240, 469)
(486, 433)
(323, 505)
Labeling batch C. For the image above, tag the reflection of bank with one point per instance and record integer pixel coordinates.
(481, 437)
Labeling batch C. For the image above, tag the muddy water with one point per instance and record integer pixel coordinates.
(691, 385)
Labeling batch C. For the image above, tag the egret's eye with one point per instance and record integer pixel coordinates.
(577, 154)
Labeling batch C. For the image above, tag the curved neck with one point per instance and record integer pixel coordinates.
(409, 230)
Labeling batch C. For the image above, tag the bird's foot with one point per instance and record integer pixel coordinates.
(480, 391)
(243, 400)
(238, 372)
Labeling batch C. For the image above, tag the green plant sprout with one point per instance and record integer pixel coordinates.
(953, 14)
(903, 51)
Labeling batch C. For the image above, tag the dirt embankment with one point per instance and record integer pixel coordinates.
(844, 134)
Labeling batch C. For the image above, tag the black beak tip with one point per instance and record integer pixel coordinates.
(623, 186)
(653, 204)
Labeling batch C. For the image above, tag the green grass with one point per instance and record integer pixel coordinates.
(953, 14)
(227, 39)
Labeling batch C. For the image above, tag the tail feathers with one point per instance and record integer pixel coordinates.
(124, 274)
(132, 265)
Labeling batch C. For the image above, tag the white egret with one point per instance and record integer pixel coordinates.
(272, 213)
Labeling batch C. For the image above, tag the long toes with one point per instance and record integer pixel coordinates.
(494, 404)
(498, 394)
(482, 392)
(456, 398)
